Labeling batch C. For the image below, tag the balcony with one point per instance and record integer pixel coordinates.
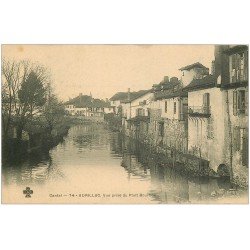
(199, 111)
(239, 76)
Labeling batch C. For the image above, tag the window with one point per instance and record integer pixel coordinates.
(238, 67)
(182, 73)
(140, 112)
(148, 112)
(161, 129)
(174, 107)
(239, 102)
(240, 143)
(236, 138)
(206, 103)
(166, 106)
(244, 146)
(206, 99)
(210, 129)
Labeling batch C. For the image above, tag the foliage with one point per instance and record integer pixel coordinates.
(54, 112)
(32, 92)
(24, 90)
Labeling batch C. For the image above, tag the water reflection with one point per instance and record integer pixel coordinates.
(101, 158)
(168, 185)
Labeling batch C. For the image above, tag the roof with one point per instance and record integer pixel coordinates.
(236, 49)
(87, 101)
(119, 96)
(168, 89)
(139, 93)
(136, 95)
(168, 95)
(208, 81)
(194, 65)
(165, 86)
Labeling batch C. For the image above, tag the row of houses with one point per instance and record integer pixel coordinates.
(87, 107)
(201, 114)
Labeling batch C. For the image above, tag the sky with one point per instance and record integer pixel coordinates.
(104, 70)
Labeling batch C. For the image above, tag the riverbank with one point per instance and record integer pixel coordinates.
(185, 163)
(36, 138)
(94, 160)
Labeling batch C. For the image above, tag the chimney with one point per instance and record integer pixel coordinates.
(213, 68)
(174, 79)
(221, 64)
(128, 94)
(166, 79)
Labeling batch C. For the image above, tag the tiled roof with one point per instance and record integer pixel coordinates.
(119, 96)
(165, 86)
(203, 83)
(87, 101)
(139, 94)
(170, 94)
(236, 48)
(135, 95)
(194, 65)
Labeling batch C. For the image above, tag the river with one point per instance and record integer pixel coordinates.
(95, 165)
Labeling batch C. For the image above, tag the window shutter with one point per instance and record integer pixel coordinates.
(235, 103)
(206, 100)
(236, 137)
(245, 148)
(166, 106)
(246, 101)
(246, 66)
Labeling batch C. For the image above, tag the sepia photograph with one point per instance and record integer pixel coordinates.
(124, 124)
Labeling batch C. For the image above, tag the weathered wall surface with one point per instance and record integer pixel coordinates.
(240, 170)
(201, 142)
(176, 135)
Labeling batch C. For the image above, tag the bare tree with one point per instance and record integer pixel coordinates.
(24, 86)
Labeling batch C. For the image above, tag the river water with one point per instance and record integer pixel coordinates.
(95, 165)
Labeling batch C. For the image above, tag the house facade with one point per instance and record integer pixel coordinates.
(206, 121)
(135, 114)
(192, 71)
(117, 99)
(199, 121)
(234, 84)
(86, 107)
(168, 121)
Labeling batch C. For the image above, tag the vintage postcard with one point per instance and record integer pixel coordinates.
(124, 124)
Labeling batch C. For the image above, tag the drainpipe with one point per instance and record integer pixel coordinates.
(230, 137)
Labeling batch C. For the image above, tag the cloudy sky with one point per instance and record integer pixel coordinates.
(104, 70)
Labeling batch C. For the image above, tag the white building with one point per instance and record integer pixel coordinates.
(206, 120)
(86, 106)
(193, 71)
